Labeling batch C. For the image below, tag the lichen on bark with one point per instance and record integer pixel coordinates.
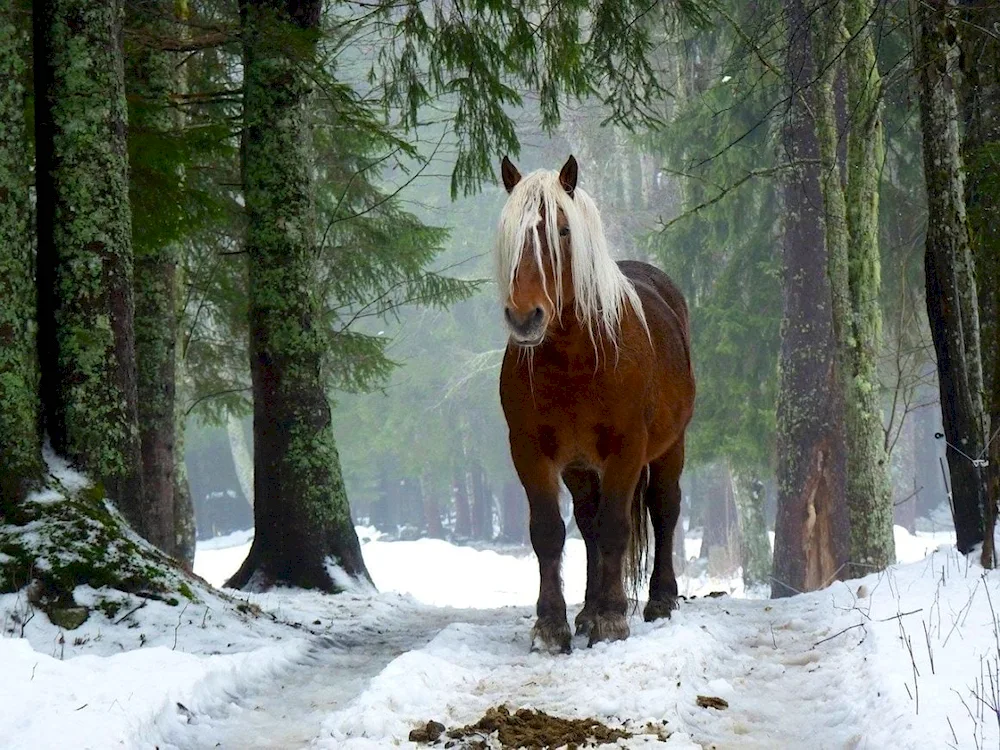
(85, 256)
(301, 512)
(20, 442)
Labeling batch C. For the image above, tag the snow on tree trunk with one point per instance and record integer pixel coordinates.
(951, 285)
(755, 546)
(20, 441)
(811, 527)
(85, 305)
(304, 532)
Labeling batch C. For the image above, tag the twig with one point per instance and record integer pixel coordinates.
(851, 627)
(131, 612)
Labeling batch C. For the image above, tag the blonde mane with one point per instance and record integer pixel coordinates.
(600, 287)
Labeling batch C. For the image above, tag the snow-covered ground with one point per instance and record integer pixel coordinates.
(903, 659)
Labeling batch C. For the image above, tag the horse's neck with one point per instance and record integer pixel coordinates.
(572, 342)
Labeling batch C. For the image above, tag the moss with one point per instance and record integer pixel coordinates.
(52, 547)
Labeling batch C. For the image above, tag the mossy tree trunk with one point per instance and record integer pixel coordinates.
(85, 302)
(951, 286)
(150, 80)
(20, 439)
(811, 527)
(302, 518)
(850, 196)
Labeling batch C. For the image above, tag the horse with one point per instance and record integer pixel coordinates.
(597, 388)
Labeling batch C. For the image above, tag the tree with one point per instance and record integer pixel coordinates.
(85, 302)
(304, 533)
(948, 266)
(158, 208)
(21, 465)
(811, 533)
(851, 196)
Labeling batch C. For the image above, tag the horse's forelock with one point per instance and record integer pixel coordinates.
(600, 288)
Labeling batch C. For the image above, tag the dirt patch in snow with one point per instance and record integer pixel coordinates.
(524, 728)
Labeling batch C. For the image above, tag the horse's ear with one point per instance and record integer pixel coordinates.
(509, 173)
(567, 175)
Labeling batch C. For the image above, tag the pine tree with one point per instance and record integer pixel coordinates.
(811, 533)
(85, 305)
(20, 440)
(302, 518)
(951, 287)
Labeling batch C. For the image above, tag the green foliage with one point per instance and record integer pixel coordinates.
(723, 248)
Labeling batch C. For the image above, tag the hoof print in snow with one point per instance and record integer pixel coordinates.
(551, 635)
(609, 628)
(529, 728)
(429, 732)
(711, 701)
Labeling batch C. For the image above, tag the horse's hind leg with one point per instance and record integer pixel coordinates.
(548, 535)
(585, 486)
(663, 499)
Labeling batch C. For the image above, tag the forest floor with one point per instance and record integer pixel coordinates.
(904, 659)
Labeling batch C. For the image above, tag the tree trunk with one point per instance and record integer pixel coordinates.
(85, 303)
(904, 493)
(811, 527)
(927, 450)
(981, 114)
(951, 286)
(850, 194)
(755, 547)
(463, 516)
(304, 532)
(680, 553)
(150, 78)
(515, 516)
(720, 541)
(20, 439)
(432, 509)
(383, 515)
(482, 505)
(242, 455)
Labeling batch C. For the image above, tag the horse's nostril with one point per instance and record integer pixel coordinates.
(508, 316)
(537, 317)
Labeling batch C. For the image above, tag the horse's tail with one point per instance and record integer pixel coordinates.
(638, 539)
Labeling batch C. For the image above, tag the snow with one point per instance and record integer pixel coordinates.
(842, 667)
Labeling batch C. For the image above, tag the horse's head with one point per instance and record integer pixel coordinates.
(535, 251)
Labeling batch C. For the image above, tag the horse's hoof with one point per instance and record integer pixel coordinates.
(609, 628)
(657, 609)
(585, 622)
(551, 635)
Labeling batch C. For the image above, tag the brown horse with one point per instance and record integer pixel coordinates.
(597, 388)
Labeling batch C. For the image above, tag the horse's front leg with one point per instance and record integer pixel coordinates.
(585, 486)
(548, 535)
(621, 475)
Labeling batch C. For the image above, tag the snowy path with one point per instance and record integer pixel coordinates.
(785, 688)
(288, 712)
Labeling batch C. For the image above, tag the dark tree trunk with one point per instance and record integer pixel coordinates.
(463, 515)
(950, 280)
(20, 438)
(304, 532)
(85, 303)
(811, 528)
(981, 113)
(150, 78)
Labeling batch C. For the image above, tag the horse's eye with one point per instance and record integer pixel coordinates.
(564, 232)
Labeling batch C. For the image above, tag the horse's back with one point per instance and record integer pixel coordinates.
(663, 301)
